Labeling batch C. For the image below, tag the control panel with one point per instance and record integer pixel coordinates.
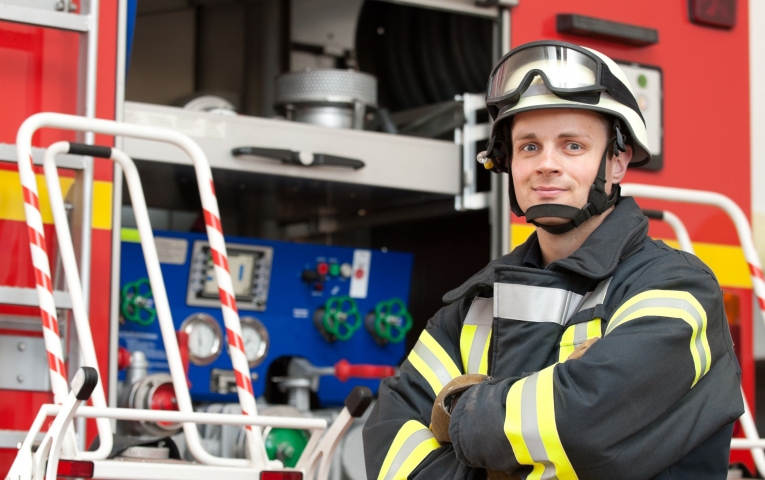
(324, 304)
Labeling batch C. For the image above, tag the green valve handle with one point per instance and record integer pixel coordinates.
(138, 302)
(341, 317)
(392, 320)
(286, 445)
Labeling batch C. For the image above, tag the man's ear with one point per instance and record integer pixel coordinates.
(620, 164)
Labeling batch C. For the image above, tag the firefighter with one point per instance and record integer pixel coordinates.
(589, 352)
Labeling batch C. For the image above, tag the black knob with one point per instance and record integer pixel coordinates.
(310, 276)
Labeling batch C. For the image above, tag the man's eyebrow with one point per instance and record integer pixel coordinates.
(573, 135)
(527, 136)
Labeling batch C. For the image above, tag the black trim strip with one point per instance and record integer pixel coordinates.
(606, 29)
(90, 150)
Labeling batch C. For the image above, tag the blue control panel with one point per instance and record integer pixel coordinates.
(321, 303)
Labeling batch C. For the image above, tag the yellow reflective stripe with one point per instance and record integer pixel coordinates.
(531, 429)
(548, 428)
(513, 423)
(467, 337)
(466, 341)
(576, 335)
(566, 344)
(412, 444)
(483, 369)
(594, 328)
(432, 362)
(415, 458)
(671, 304)
(422, 367)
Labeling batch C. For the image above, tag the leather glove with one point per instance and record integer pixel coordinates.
(581, 349)
(445, 401)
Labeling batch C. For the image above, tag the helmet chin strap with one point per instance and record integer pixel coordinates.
(598, 201)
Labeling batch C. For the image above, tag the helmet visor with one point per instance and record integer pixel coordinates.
(563, 67)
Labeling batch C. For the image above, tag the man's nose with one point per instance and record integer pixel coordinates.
(548, 163)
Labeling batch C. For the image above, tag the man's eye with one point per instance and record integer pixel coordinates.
(574, 146)
(529, 147)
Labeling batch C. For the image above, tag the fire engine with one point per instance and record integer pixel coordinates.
(258, 193)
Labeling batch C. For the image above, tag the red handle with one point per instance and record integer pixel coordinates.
(183, 346)
(123, 358)
(344, 371)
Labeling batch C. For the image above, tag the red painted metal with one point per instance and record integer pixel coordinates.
(40, 73)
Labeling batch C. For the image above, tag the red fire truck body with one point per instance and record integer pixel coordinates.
(706, 146)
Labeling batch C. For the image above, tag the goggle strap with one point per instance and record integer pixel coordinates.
(618, 90)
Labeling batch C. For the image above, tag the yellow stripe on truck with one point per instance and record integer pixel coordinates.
(726, 261)
(12, 199)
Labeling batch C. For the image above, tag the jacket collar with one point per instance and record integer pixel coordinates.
(620, 235)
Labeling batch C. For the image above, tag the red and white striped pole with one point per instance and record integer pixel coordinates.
(228, 300)
(258, 457)
(43, 281)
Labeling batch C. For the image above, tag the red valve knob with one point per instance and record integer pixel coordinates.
(123, 358)
(344, 371)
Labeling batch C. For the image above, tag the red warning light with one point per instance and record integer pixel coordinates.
(713, 13)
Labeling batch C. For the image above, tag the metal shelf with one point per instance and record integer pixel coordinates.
(392, 161)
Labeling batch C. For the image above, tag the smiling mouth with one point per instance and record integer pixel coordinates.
(548, 191)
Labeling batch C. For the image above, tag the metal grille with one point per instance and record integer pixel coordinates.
(326, 86)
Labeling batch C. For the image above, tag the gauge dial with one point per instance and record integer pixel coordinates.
(204, 338)
(255, 339)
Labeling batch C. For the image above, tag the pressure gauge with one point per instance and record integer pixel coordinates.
(255, 339)
(205, 338)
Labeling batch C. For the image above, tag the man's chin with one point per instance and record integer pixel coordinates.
(551, 221)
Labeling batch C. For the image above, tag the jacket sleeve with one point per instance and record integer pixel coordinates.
(398, 443)
(661, 380)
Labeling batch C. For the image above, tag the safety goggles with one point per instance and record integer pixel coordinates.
(569, 71)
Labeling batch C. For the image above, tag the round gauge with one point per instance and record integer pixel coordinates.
(255, 339)
(205, 338)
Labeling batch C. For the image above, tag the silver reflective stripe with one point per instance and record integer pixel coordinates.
(406, 449)
(677, 303)
(530, 428)
(597, 296)
(535, 304)
(580, 333)
(480, 314)
(432, 361)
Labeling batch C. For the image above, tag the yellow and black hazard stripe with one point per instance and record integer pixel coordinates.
(671, 304)
(432, 362)
(475, 336)
(412, 444)
(576, 335)
(531, 429)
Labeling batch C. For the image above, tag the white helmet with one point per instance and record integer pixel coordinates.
(551, 74)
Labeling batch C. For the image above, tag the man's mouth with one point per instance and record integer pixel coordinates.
(548, 191)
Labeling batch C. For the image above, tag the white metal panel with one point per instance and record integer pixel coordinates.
(44, 18)
(392, 161)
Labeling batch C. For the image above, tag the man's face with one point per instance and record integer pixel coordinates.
(555, 158)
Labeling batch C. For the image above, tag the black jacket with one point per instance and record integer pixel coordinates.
(654, 398)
